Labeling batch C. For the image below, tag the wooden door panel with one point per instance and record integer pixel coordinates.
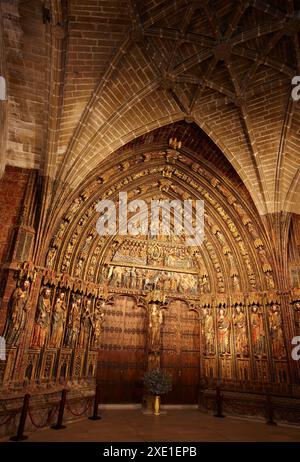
(123, 360)
(181, 352)
(122, 355)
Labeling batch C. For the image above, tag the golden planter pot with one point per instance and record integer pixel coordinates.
(156, 405)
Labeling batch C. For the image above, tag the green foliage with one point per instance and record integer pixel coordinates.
(158, 381)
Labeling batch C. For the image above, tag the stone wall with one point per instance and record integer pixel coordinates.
(12, 189)
(3, 104)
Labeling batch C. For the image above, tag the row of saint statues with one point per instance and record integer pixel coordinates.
(73, 324)
(78, 326)
(76, 322)
(220, 330)
(145, 279)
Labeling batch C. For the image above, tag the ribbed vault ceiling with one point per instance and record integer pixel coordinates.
(110, 71)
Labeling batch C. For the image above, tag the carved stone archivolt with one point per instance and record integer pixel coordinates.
(228, 282)
(231, 227)
(239, 336)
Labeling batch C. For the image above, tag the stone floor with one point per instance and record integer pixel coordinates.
(176, 425)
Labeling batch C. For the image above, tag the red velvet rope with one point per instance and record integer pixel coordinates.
(34, 423)
(7, 420)
(80, 413)
(47, 421)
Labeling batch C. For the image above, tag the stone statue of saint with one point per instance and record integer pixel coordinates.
(276, 332)
(18, 308)
(110, 273)
(97, 326)
(235, 283)
(188, 283)
(51, 256)
(204, 286)
(258, 332)
(208, 332)
(240, 330)
(155, 322)
(73, 324)
(223, 324)
(138, 279)
(116, 277)
(147, 280)
(270, 280)
(73, 208)
(132, 278)
(42, 319)
(85, 325)
(58, 321)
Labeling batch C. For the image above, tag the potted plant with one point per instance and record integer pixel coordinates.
(157, 382)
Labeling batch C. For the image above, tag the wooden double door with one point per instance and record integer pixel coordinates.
(123, 358)
(181, 352)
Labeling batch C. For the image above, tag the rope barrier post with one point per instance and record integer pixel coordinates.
(95, 415)
(20, 433)
(60, 416)
(219, 402)
(269, 411)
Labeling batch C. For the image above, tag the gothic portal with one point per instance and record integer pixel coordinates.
(149, 103)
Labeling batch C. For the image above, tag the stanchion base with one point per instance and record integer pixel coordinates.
(221, 416)
(95, 418)
(58, 427)
(271, 423)
(18, 438)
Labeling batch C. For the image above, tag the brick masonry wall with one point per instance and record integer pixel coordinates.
(12, 189)
(3, 104)
(25, 48)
